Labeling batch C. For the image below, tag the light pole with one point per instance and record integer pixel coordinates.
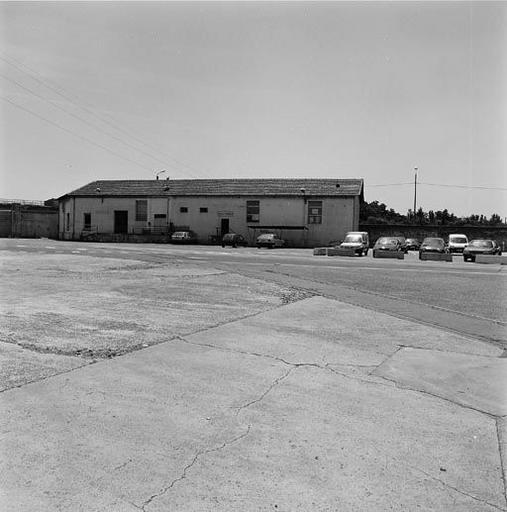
(415, 190)
(159, 172)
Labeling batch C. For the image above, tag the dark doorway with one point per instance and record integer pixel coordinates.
(121, 221)
(224, 226)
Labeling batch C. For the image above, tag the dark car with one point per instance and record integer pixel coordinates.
(436, 245)
(480, 246)
(233, 239)
(387, 243)
(269, 240)
(413, 244)
(184, 237)
(403, 243)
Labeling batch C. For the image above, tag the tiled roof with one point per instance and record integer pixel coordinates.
(222, 187)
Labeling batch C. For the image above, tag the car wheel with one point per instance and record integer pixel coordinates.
(223, 245)
(374, 254)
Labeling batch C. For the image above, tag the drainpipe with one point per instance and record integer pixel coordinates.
(73, 218)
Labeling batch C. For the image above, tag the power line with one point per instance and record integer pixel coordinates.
(390, 184)
(462, 186)
(33, 75)
(438, 185)
(82, 120)
(105, 148)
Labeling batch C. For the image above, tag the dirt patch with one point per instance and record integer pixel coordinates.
(98, 308)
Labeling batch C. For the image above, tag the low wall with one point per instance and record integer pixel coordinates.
(22, 221)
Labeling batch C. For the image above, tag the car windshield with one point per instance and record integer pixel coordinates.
(387, 241)
(458, 239)
(266, 236)
(353, 238)
(179, 233)
(433, 241)
(481, 243)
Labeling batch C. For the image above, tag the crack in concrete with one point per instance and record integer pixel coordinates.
(327, 366)
(263, 395)
(121, 466)
(183, 474)
(463, 493)
(503, 467)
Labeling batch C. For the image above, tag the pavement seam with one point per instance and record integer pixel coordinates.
(502, 464)
(434, 395)
(196, 457)
(398, 299)
(445, 484)
(46, 377)
(328, 367)
(475, 337)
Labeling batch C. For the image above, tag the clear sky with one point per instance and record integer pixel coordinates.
(122, 90)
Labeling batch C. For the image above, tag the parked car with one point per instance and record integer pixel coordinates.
(457, 242)
(480, 246)
(184, 237)
(233, 239)
(403, 243)
(269, 240)
(433, 245)
(413, 244)
(387, 243)
(357, 240)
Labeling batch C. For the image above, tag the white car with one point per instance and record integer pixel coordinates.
(457, 242)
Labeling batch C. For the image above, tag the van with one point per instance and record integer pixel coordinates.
(357, 240)
(457, 242)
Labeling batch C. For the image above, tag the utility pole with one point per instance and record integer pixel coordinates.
(415, 190)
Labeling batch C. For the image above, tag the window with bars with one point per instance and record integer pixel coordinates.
(314, 212)
(203, 209)
(141, 210)
(87, 220)
(183, 209)
(252, 211)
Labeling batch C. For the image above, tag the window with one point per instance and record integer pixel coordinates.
(252, 211)
(203, 209)
(141, 210)
(183, 209)
(67, 222)
(314, 212)
(87, 221)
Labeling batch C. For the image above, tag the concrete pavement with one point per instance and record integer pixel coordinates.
(316, 405)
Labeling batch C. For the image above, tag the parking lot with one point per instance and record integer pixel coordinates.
(154, 377)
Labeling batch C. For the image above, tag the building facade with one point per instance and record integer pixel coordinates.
(304, 212)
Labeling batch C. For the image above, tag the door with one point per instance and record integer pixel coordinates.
(121, 221)
(224, 226)
(160, 223)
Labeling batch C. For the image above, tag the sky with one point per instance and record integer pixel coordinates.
(125, 90)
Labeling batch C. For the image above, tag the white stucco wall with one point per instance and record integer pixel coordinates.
(339, 215)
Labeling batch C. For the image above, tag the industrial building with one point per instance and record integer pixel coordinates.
(304, 212)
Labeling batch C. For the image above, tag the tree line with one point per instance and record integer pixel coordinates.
(378, 213)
